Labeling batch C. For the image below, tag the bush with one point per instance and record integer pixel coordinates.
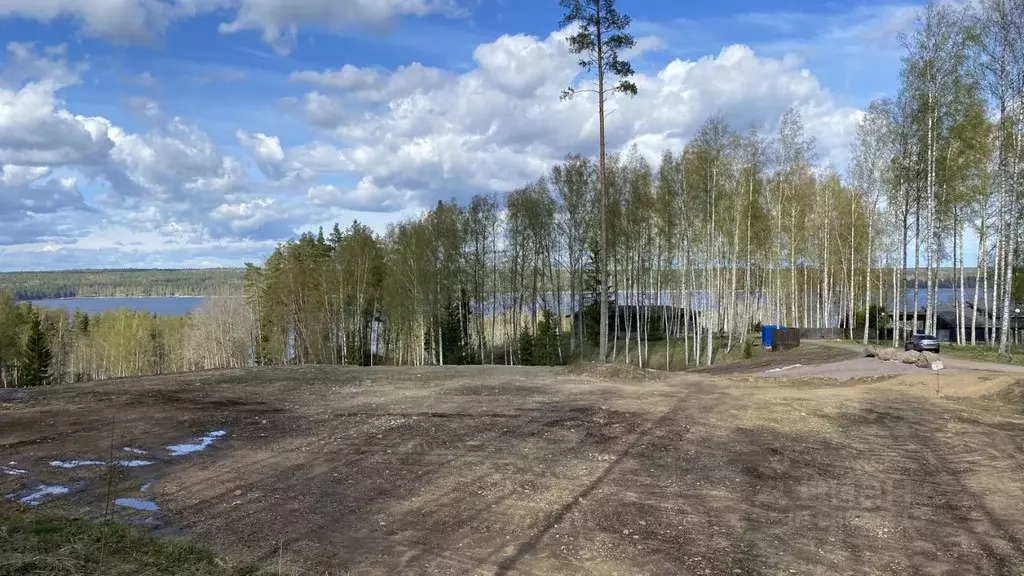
(879, 318)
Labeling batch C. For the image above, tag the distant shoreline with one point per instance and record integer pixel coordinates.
(63, 285)
(112, 298)
(158, 305)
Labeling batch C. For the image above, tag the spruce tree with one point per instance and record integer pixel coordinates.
(545, 342)
(35, 366)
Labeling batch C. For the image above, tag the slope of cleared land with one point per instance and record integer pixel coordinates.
(498, 470)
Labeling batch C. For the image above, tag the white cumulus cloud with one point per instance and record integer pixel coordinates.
(278, 21)
(502, 123)
(371, 143)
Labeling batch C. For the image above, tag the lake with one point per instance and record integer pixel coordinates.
(161, 306)
(184, 305)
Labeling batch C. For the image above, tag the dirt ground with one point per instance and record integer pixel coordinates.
(498, 470)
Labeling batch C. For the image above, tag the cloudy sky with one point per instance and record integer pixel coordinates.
(170, 133)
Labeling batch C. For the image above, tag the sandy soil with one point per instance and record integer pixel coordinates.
(496, 470)
(855, 368)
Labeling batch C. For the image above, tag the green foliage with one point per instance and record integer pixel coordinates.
(591, 313)
(43, 345)
(456, 345)
(600, 19)
(878, 318)
(11, 322)
(1018, 285)
(540, 347)
(80, 323)
(527, 349)
(545, 343)
(1014, 355)
(35, 364)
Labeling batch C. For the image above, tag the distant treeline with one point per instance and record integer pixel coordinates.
(121, 283)
(41, 345)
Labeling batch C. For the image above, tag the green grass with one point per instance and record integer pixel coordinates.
(982, 353)
(677, 350)
(44, 545)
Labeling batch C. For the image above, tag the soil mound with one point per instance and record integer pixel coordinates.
(613, 371)
(1012, 394)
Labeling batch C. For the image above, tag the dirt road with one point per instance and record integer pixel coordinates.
(947, 361)
(496, 470)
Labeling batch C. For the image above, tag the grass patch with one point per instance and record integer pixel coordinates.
(43, 545)
(982, 353)
(677, 350)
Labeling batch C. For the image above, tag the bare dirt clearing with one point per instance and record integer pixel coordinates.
(497, 470)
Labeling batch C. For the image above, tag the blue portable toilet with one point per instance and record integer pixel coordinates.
(766, 336)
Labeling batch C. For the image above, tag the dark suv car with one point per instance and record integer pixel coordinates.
(922, 343)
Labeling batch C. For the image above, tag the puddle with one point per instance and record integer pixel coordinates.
(204, 442)
(131, 450)
(146, 486)
(75, 463)
(133, 463)
(42, 492)
(137, 503)
(68, 464)
(10, 471)
(783, 368)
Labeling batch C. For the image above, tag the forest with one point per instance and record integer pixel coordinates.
(119, 283)
(690, 253)
(738, 228)
(52, 346)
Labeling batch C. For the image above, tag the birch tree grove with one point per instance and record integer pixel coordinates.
(666, 263)
(872, 150)
(1000, 25)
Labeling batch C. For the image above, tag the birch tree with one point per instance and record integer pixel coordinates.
(1001, 47)
(933, 70)
(871, 154)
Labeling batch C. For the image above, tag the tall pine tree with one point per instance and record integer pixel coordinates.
(599, 39)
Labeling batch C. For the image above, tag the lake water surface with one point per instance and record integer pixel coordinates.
(184, 305)
(161, 306)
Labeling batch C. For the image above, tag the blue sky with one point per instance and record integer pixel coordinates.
(203, 132)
